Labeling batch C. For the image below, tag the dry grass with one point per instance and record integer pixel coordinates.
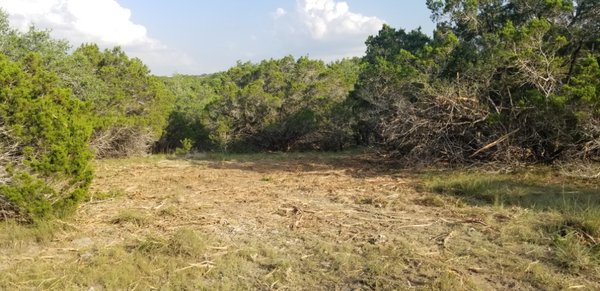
(302, 221)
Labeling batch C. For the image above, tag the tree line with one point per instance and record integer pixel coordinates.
(497, 80)
(278, 105)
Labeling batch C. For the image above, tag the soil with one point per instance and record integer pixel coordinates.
(330, 223)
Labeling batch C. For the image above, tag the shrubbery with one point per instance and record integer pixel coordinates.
(128, 106)
(499, 80)
(280, 105)
(58, 110)
(46, 163)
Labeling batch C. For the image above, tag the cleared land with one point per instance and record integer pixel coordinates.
(308, 221)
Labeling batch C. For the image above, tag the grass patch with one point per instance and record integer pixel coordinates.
(450, 280)
(168, 211)
(585, 221)
(99, 196)
(577, 239)
(565, 212)
(187, 243)
(541, 277)
(14, 234)
(574, 253)
(529, 191)
(130, 216)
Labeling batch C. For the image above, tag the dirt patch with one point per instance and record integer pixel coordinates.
(299, 223)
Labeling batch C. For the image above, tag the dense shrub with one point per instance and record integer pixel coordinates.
(46, 162)
(129, 107)
(499, 80)
(282, 105)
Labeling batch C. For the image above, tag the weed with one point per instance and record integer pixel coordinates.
(573, 253)
(131, 216)
(168, 211)
(150, 245)
(431, 201)
(542, 277)
(186, 147)
(187, 243)
(106, 195)
(450, 280)
(14, 234)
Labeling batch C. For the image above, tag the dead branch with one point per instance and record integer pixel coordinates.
(498, 141)
(122, 141)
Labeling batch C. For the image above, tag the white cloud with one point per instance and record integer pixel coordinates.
(280, 12)
(329, 18)
(325, 29)
(104, 22)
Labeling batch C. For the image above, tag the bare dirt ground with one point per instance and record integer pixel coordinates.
(301, 222)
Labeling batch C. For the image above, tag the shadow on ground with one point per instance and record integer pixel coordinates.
(357, 165)
(534, 192)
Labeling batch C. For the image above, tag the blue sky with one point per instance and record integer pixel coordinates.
(197, 36)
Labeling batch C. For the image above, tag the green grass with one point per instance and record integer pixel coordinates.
(524, 190)
(111, 194)
(574, 253)
(188, 260)
(564, 212)
(14, 235)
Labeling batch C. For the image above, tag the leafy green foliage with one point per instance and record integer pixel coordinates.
(517, 76)
(49, 168)
(274, 105)
(54, 105)
(126, 102)
(17, 46)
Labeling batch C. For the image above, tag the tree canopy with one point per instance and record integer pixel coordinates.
(273, 105)
(497, 80)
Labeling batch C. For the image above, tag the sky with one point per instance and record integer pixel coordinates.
(201, 36)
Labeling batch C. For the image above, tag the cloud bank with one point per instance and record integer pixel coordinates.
(328, 18)
(326, 29)
(104, 22)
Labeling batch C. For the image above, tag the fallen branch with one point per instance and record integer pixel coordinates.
(492, 144)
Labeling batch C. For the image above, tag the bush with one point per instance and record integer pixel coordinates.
(278, 105)
(47, 165)
(186, 147)
(510, 88)
(129, 107)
